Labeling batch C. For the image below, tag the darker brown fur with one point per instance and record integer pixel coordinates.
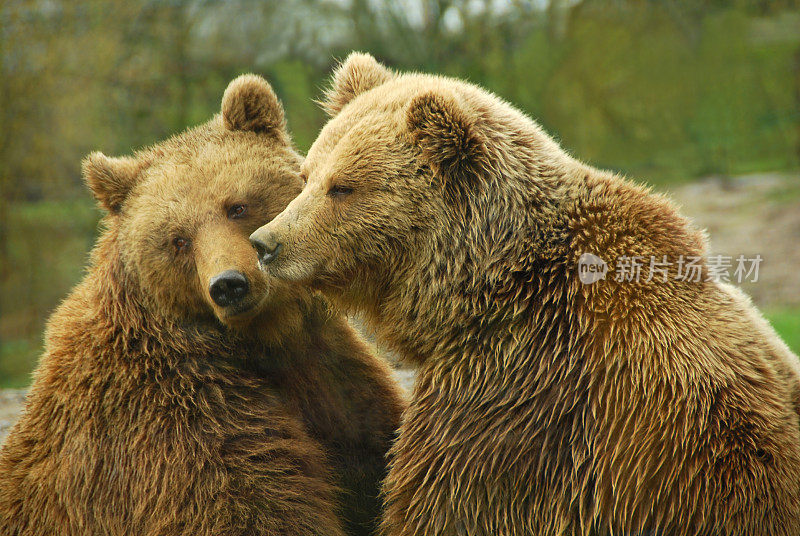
(542, 405)
(154, 411)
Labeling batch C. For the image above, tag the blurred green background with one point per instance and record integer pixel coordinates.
(699, 98)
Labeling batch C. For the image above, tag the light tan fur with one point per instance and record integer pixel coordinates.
(543, 405)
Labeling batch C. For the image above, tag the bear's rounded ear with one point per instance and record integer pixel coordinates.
(450, 141)
(249, 103)
(110, 179)
(358, 73)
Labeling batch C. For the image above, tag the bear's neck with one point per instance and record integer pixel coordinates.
(495, 272)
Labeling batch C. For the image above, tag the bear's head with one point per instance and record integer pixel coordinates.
(394, 177)
(180, 212)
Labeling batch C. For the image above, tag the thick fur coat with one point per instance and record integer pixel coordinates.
(543, 405)
(156, 410)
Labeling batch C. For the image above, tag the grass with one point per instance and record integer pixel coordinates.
(787, 323)
(17, 360)
(48, 244)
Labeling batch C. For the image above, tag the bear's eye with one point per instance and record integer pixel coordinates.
(180, 243)
(237, 211)
(339, 191)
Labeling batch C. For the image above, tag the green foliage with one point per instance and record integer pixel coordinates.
(17, 359)
(787, 323)
(296, 83)
(48, 243)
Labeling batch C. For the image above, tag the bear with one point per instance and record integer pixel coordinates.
(184, 392)
(543, 404)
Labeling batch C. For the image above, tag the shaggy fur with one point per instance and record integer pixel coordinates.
(543, 405)
(154, 411)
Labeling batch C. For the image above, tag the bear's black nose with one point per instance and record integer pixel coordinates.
(228, 287)
(266, 247)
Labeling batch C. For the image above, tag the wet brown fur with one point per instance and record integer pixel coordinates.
(542, 405)
(154, 411)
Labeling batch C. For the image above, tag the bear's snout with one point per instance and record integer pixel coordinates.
(228, 288)
(266, 246)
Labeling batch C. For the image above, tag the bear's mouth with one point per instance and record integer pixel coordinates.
(242, 311)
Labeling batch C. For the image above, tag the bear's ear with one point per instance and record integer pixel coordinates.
(110, 179)
(357, 74)
(450, 141)
(249, 103)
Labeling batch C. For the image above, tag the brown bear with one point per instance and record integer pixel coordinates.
(543, 405)
(184, 392)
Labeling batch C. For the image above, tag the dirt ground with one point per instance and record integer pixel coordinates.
(752, 215)
(749, 215)
(11, 401)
